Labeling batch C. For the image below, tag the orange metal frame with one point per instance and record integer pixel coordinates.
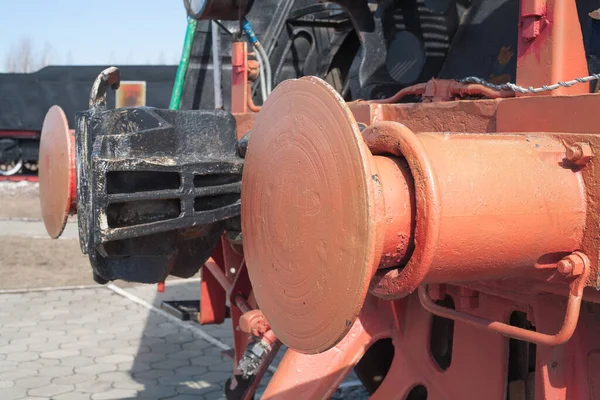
(550, 50)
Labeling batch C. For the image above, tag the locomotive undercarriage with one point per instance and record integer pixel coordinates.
(442, 241)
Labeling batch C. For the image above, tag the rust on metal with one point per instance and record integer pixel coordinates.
(57, 172)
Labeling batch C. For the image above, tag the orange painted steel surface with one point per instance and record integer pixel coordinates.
(550, 45)
(301, 376)
(479, 361)
(239, 77)
(57, 172)
(310, 183)
(507, 204)
(452, 208)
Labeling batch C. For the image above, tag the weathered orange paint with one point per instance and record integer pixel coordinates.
(239, 77)
(461, 207)
(478, 368)
(312, 208)
(556, 52)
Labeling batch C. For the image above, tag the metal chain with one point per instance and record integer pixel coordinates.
(530, 89)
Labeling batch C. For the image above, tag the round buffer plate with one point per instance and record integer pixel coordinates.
(56, 171)
(309, 215)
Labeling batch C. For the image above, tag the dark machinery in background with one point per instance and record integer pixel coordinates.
(25, 99)
(384, 214)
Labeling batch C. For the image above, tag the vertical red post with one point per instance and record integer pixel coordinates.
(239, 77)
(212, 294)
(550, 46)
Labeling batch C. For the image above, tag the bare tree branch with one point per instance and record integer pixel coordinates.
(23, 58)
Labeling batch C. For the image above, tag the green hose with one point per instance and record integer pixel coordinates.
(183, 64)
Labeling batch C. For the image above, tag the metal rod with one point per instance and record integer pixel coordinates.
(219, 275)
(217, 66)
(183, 64)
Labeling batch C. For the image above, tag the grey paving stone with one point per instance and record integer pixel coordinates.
(146, 341)
(176, 380)
(95, 369)
(76, 361)
(224, 366)
(138, 384)
(153, 374)
(6, 384)
(73, 396)
(157, 392)
(12, 348)
(204, 360)
(199, 388)
(151, 357)
(50, 390)
(14, 393)
(60, 354)
(96, 351)
(31, 382)
(116, 376)
(74, 379)
(79, 345)
(22, 356)
(19, 324)
(185, 354)
(93, 386)
(130, 350)
(117, 394)
(215, 376)
(166, 348)
(196, 370)
(114, 359)
(7, 365)
(180, 337)
(47, 333)
(134, 366)
(97, 337)
(39, 363)
(15, 374)
(56, 371)
(28, 340)
(170, 364)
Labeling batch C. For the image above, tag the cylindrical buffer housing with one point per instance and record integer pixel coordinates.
(330, 213)
(497, 205)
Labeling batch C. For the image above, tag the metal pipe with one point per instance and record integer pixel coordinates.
(183, 64)
(219, 275)
(264, 91)
(561, 337)
(267, 65)
(216, 58)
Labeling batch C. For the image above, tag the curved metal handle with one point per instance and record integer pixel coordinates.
(564, 334)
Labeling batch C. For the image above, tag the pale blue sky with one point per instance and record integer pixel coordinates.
(95, 32)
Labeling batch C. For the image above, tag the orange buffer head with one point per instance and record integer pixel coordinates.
(57, 171)
(314, 214)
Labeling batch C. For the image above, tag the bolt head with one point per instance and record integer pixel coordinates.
(579, 153)
(572, 265)
(564, 266)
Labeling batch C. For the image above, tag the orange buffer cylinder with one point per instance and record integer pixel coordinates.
(488, 206)
(330, 213)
